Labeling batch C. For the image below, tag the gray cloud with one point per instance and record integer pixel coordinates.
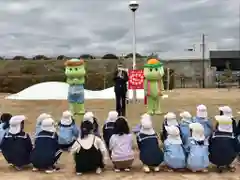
(54, 27)
(111, 33)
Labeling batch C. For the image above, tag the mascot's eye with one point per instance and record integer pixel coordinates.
(150, 69)
(76, 69)
(156, 69)
(70, 69)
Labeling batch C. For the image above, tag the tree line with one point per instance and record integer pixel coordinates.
(83, 56)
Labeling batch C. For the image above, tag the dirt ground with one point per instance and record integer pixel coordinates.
(179, 100)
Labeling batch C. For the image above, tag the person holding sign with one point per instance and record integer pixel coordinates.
(120, 79)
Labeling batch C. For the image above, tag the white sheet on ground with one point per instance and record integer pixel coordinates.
(59, 91)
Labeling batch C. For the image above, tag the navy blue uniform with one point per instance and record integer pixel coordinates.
(150, 152)
(16, 148)
(223, 148)
(46, 151)
(108, 131)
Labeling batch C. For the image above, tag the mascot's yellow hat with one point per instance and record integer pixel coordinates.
(74, 62)
(153, 63)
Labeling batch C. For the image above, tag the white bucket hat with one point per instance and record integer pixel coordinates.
(66, 118)
(186, 116)
(88, 116)
(197, 131)
(202, 111)
(173, 135)
(146, 125)
(112, 116)
(224, 123)
(41, 117)
(227, 111)
(15, 124)
(48, 125)
(171, 119)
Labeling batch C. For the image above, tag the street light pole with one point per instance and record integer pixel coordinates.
(134, 40)
(203, 60)
(133, 5)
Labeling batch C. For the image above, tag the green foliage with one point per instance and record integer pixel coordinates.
(109, 56)
(18, 75)
(28, 69)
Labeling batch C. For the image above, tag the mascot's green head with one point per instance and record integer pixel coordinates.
(75, 71)
(153, 70)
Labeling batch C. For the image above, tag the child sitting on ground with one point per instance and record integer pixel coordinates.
(108, 127)
(227, 111)
(170, 119)
(202, 118)
(16, 145)
(89, 151)
(89, 116)
(121, 146)
(68, 132)
(238, 137)
(4, 125)
(223, 141)
(40, 118)
(46, 151)
(184, 127)
(174, 155)
(197, 159)
(150, 153)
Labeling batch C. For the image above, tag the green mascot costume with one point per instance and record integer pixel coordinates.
(75, 72)
(153, 85)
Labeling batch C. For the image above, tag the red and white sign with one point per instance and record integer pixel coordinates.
(136, 79)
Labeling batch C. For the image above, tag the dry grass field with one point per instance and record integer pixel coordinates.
(179, 100)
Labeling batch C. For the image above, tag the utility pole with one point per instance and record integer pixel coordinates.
(239, 43)
(203, 60)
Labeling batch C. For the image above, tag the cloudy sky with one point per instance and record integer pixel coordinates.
(74, 27)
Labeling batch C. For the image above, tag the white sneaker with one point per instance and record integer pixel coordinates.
(157, 169)
(78, 173)
(146, 169)
(117, 170)
(98, 171)
(17, 168)
(205, 170)
(34, 169)
(49, 171)
(127, 170)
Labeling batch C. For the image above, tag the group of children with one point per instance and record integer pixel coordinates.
(191, 143)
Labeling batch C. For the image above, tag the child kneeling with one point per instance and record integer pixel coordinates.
(174, 155)
(150, 153)
(121, 146)
(16, 145)
(68, 131)
(198, 149)
(89, 151)
(223, 141)
(47, 150)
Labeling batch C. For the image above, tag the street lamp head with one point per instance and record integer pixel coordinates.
(133, 5)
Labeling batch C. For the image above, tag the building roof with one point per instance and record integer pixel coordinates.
(225, 54)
